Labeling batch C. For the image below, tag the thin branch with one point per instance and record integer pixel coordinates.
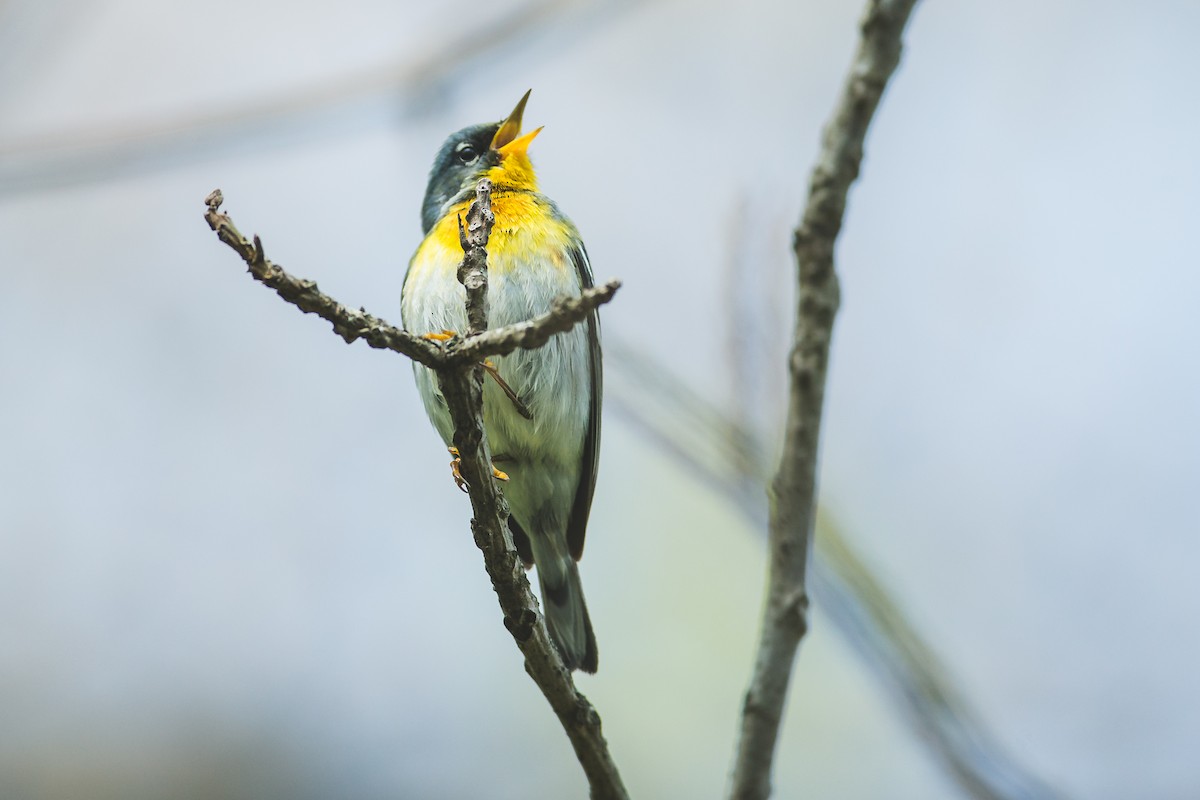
(305, 295)
(463, 389)
(460, 376)
(473, 271)
(351, 325)
(464, 396)
(793, 490)
(564, 313)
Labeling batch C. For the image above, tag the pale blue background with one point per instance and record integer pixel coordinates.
(232, 562)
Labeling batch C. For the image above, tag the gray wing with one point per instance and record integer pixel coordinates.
(581, 508)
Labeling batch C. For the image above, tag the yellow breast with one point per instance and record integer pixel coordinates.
(527, 231)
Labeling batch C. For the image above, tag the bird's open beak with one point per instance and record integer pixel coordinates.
(506, 139)
(519, 145)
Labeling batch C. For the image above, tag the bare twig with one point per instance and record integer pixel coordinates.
(793, 501)
(489, 524)
(472, 272)
(351, 325)
(460, 376)
(305, 295)
(532, 334)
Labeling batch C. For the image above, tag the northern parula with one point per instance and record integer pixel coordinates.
(534, 255)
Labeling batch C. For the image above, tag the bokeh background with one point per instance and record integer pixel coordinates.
(232, 563)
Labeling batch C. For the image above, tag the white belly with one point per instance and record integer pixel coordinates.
(541, 455)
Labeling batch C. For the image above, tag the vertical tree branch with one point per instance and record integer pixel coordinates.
(457, 364)
(793, 490)
(463, 389)
(472, 272)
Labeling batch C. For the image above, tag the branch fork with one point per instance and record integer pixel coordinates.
(351, 325)
(460, 370)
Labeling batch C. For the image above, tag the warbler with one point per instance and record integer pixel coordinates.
(546, 434)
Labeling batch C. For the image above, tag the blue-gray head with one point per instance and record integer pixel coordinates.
(465, 158)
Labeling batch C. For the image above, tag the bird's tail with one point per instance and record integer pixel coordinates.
(567, 615)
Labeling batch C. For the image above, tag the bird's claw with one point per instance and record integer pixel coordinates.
(444, 336)
(459, 480)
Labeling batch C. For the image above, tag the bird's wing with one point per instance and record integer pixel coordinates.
(521, 541)
(577, 523)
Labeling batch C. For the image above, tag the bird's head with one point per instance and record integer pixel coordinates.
(494, 150)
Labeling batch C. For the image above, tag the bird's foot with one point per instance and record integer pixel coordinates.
(461, 482)
(444, 336)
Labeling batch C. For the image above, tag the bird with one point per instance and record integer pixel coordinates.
(542, 408)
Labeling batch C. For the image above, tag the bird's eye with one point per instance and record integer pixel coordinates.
(466, 153)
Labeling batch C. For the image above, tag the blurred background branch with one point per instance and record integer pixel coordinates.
(338, 107)
(732, 461)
